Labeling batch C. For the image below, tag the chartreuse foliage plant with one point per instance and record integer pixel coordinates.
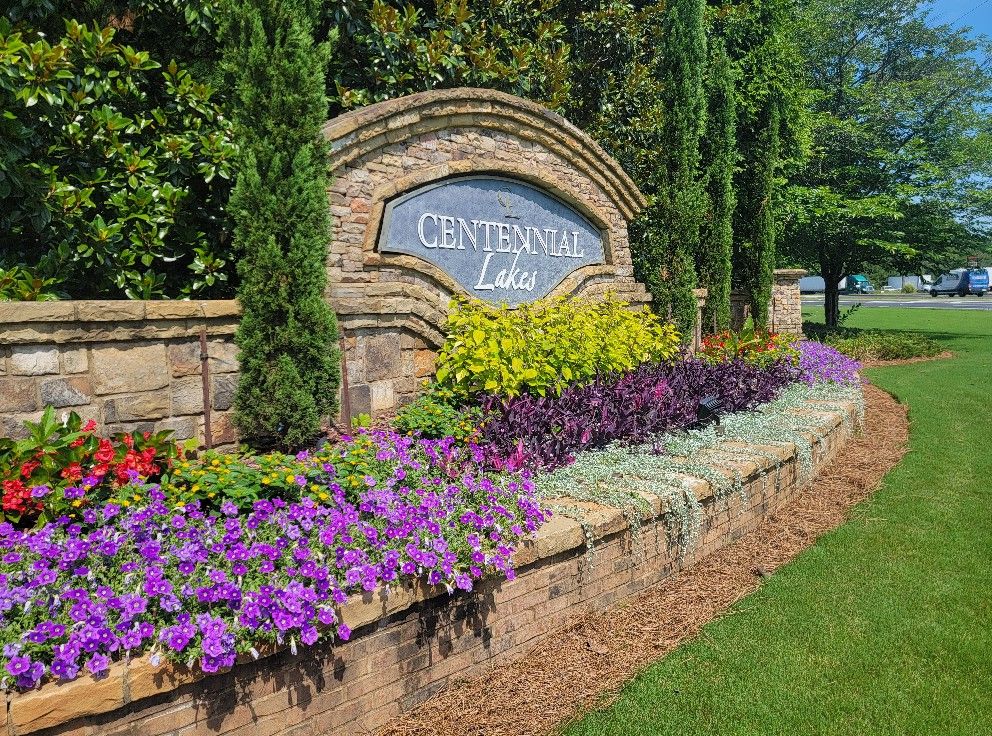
(543, 347)
(288, 335)
(113, 169)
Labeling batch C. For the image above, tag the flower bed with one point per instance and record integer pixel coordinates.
(138, 549)
(203, 588)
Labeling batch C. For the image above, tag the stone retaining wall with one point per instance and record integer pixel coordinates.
(408, 646)
(128, 365)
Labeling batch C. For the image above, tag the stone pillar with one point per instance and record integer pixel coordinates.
(785, 313)
(697, 339)
(785, 309)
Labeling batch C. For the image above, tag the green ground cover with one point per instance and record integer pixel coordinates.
(885, 625)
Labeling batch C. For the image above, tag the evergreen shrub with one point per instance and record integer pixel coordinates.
(288, 335)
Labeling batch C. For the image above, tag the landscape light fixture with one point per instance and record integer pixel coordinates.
(708, 412)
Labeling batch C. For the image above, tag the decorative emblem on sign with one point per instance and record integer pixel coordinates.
(502, 240)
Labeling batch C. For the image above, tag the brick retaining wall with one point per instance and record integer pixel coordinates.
(409, 645)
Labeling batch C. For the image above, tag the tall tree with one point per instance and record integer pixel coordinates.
(666, 260)
(288, 334)
(720, 158)
(771, 133)
(901, 131)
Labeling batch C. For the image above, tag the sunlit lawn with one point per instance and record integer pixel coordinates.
(885, 625)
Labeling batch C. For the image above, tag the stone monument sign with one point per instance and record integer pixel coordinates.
(500, 239)
(462, 192)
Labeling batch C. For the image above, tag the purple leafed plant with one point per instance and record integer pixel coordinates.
(819, 363)
(545, 432)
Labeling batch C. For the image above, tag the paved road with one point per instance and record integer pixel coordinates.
(923, 301)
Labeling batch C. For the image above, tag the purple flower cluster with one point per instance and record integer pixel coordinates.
(546, 431)
(823, 363)
(181, 583)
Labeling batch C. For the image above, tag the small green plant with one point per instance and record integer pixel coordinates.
(908, 289)
(867, 345)
(433, 416)
(361, 421)
(543, 347)
(22, 284)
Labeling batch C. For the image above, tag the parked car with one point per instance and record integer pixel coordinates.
(961, 282)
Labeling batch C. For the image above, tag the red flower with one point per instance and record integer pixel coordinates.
(28, 468)
(128, 440)
(105, 453)
(73, 472)
(12, 486)
(89, 426)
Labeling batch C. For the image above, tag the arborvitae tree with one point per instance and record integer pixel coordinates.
(720, 157)
(288, 334)
(667, 239)
(770, 120)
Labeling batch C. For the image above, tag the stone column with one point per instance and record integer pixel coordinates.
(697, 339)
(785, 313)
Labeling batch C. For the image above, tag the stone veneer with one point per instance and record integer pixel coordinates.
(785, 310)
(129, 365)
(392, 307)
(409, 645)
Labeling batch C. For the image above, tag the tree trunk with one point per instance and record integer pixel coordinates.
(831, 302)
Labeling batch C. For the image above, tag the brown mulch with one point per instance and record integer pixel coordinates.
(574, 670)
(907, 361)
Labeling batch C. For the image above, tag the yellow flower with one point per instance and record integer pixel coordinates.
(265, 481)
(137, 497)
(324, 496)
(195, 488)
(290, 477)
(215, 462)
(77, 503)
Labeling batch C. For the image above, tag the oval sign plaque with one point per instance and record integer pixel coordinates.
(502, 240)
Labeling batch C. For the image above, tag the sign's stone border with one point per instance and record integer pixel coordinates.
(392, 307)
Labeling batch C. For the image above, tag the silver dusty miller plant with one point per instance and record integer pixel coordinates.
(618, 476)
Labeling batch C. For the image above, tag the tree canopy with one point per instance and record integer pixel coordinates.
(901, 155)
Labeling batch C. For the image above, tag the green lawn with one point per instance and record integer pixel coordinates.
(885, 625)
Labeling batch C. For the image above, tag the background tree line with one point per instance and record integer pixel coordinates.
(827, 135)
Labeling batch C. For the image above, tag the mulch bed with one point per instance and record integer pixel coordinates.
(906, 361)
(587, 663)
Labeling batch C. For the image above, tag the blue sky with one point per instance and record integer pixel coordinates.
(972, 13)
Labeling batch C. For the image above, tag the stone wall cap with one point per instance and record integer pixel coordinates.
(795, 273)
(115, 310)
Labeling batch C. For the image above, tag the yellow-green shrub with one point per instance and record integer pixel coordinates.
(542, 347)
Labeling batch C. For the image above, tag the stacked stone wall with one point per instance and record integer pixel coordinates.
(127, 365)
(785, 309)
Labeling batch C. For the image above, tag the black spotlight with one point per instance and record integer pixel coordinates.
(708, 412)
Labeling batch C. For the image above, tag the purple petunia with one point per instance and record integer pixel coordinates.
(123, 581)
